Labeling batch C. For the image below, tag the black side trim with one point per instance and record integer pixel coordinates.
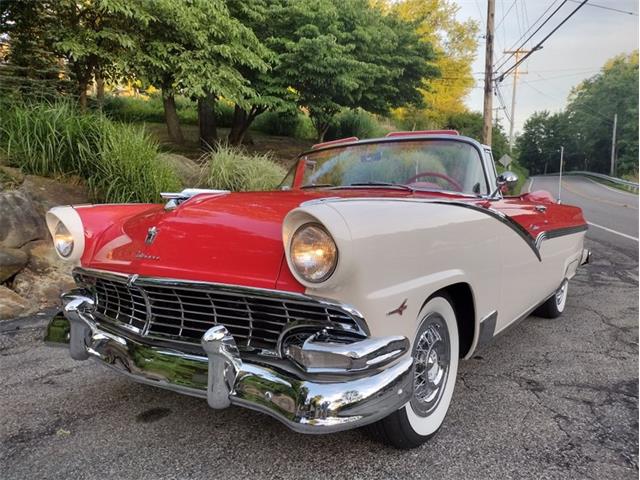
(505, 219)
(559, 232)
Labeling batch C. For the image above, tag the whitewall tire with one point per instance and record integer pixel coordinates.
(555, 305)
(435, 349)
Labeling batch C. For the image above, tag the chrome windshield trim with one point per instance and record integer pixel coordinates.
(141, 280)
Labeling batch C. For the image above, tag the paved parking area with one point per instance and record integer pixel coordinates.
(548, 399)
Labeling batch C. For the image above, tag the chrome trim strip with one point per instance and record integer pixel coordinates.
(487, 329)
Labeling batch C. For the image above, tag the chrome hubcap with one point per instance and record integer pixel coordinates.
(432, 356)
(561, 293)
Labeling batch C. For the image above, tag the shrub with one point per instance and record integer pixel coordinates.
(130, 169)
(355, 123)
(229, 168)
(118, 161)
(285, 124)
(148, 109)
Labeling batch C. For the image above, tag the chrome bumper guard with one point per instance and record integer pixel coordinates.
(376, 380)
(586, 257)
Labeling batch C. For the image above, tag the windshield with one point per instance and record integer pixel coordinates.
(447, 165)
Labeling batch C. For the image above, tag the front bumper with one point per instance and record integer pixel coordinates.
(306, 402)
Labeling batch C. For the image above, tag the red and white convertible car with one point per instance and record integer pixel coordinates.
(345, 299)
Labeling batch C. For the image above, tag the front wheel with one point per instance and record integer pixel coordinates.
(435, 352)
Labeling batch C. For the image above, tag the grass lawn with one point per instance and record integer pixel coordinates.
(284, 149)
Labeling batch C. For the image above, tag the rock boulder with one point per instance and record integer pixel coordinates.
(12, 261)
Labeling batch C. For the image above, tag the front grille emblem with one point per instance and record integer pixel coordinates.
(132, 279)
(151, 235)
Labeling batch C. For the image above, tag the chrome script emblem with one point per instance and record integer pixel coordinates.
(151, 235)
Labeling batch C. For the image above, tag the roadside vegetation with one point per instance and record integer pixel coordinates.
(118, 161)
(585, 127)
(228, 168)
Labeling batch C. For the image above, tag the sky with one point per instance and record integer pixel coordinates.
(575, 52)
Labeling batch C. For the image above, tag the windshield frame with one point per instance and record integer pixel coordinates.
(300, 162)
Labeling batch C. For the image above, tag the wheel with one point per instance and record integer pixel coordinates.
(554, 306)
(435, 353)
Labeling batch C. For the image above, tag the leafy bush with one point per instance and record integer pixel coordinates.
(355, 123)
(286, 124)
(229, 168)
(118, 161)
(148, 109)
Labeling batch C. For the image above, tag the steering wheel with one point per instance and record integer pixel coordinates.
(443, 176)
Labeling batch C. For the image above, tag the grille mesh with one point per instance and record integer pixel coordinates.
(185, 312)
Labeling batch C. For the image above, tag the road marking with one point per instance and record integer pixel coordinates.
(614, 231)
(617, 190)
(601, 200)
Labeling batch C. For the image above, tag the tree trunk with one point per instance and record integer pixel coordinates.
(242, 120)
(322, 131)
(171, 117)
(100, 89)
(207, 121)
(82, 94)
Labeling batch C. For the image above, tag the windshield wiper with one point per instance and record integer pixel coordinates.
(378, 184)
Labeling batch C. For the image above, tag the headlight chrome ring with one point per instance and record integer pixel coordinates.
(313, 253)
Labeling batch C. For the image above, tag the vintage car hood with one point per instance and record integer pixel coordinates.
(230, 238)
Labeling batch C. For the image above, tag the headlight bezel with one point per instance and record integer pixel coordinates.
(67, 215)
(292, 257)
(62, 236)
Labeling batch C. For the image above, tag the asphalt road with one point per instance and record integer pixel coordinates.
(548, 399)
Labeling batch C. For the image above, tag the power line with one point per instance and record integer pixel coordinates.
(513, 47)
(604, 7)
(587, 110)
(541, 42)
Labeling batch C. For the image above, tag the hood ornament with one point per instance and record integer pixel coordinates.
(151, 235)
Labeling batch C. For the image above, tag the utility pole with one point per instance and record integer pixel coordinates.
(516, 73)
(613, 146)
(487, 110)
(560, 181)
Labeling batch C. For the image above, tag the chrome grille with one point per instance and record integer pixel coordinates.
(183, 311)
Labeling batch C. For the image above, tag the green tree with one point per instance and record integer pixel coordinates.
(470, 125)
(196, 48)
(347, 54)
(455, 43)
(592, 106)
(543, 136)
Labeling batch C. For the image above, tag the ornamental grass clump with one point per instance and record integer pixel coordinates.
(119, 161)
(228, 168)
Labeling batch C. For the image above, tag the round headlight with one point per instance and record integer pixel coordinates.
(314, 254)
(63, 240)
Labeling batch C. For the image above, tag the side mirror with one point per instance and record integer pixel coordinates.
(507, 179)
